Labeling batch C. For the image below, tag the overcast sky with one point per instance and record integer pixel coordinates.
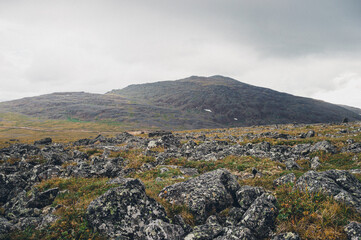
(308, 48)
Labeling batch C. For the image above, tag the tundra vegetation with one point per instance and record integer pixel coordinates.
(84, 162)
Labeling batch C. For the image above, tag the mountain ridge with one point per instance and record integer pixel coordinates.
(189, 103)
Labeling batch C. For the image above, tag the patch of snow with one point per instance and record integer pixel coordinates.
(207, 110)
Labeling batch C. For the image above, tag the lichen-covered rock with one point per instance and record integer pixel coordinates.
(189, 171)
(323, 146)
(287, 236)
(237, 233)
(47, 220)
(292, 164)
(160, 230)
(5, 188)
(40, 200)
(234, 216)
(26, 222)
(289, 178)
(214, 190)
(353, 148)
(24, 210)
(208, 231)
(159, 133)
(5, 227)
(44, 141)
(124, 211)
(342, 185)
(309, 134)
(315, 163)
(255, 222)
(353, 231)
(260, 216)
(11, 185)
(246, 195)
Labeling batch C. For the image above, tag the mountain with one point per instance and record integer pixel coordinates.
(229, 99)
(353, 109)
(194, 102)
(114, 109)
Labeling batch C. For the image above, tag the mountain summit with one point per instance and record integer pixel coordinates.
(194, 102)
(230, 102)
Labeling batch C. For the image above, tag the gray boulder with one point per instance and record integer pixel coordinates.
(289, 178)
(353, 231)
(246, 195)
(323, 146)
(309, 134)
(159, 133)
(255, 222)
(40, 200)
(315, 163)
(5, 226)
(234, 216)
(260, 216)
(208, 231)
(292, 164)
(160, 230)
(124, 211)
(342, 185)
(237, 233)
(353, 148)
(287, 236)
(212, 191)
(5, 188)
(44, 141)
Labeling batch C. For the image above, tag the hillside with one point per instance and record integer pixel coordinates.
(353, 109)
(191, 103)
(105, 108)
(229, 99)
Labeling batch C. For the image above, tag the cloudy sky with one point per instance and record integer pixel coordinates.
(308, 48)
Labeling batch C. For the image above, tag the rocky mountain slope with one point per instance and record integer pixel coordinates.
(230, 102)
(191, 103)
(353, 109)
(268, 182)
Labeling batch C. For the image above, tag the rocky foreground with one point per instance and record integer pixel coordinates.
(274, 182)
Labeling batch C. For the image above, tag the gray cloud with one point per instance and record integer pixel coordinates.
(300, 47)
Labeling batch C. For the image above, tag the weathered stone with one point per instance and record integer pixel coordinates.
(235, 215)
(287, 236)
(260, 216)
(353, 148)
(237, 233)
(208, 231)
(178, 220)
(26, 222)
(246, 195)
(5, 188)
(342, 185)
(5, 227)
(44, 141)
(123, 211)
(47, 220)
(315, 163)
(353, 231)
(289, 178)
(309, 134)
(292, 164)
(189, 171)
(212, 191)
(40, 200)
(323, 146)
(160, 230)
(158, 133)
